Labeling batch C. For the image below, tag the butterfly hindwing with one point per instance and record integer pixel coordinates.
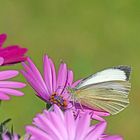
(110, 96)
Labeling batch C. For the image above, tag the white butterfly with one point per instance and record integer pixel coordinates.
(106, 90)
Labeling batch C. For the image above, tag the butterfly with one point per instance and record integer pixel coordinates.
(106, 90)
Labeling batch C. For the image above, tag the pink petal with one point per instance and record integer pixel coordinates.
(97, 131)
(37, 73)
(47, 73)
(12, 53)
(115, 137)
(70, 77)
(101, 113)
(62, 77)
(68, 82)
(34, 80)
(59, 112)
(70, 125)
(41, 92)
(8, 74)
(4, 96)
(38, 133)
(5, 137)
(15, 137)
(11, 92)
(1, 61)
(82, 126)
(55, 122)
(96, 117)
(11, 61)
(53, 75)
(11, 84)
(39, 122)
(52, 129)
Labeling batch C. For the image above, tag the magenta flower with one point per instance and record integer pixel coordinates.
(7, 87)
(58, 125)
(11, 54)
(51, 87)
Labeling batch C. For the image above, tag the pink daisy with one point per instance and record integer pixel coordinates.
(9, 87)
(58, 125)
(11, 54)
(51, 87)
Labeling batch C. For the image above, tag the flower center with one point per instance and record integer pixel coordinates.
(58, 100)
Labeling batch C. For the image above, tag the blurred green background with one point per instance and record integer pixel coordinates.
(88, 35)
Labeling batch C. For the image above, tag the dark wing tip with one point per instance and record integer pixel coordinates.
(126, 69)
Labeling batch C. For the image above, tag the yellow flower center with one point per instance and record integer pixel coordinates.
(58, 100)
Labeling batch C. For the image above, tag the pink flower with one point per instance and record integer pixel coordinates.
(51, 87)
(8, 136)
(5, 134)
(11, 54)
(7, 87)
(58, 125)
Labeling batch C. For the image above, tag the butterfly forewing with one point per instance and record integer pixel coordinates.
(119, 73)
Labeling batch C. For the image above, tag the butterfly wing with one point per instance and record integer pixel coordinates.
(109, 96)
(120, 73)
(106, 90)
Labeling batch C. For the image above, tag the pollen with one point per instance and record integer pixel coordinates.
(58, 100)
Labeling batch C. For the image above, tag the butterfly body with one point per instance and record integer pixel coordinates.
(105, 91)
